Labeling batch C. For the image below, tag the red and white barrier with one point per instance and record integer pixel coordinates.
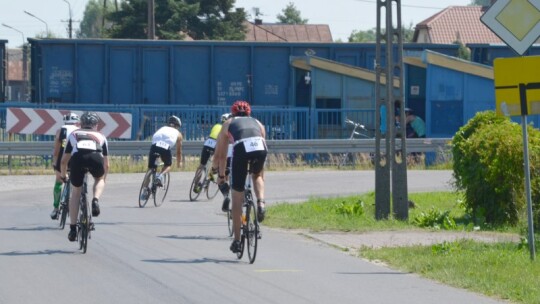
(47, 122)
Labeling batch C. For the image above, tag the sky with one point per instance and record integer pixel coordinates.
(343, 16)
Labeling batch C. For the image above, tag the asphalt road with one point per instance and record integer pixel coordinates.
(178, 253)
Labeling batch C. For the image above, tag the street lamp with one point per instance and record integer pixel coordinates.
(70, 19)
(46, 25)
(24, 59)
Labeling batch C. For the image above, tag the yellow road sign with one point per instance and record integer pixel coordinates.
(517, 85)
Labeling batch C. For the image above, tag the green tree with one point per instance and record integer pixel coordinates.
(92, 24)
(480, 2)
(200, 19)
(371, 35)
(291, 15)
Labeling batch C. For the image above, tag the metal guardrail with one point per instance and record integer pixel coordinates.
(44, 148)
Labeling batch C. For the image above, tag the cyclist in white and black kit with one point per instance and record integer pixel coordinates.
(88, 151)
(71, 123)
(163, 141)
(247, 135)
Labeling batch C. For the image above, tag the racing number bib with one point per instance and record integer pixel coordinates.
(87, 145)
(162, 144)
(254, 144)
(210, 142)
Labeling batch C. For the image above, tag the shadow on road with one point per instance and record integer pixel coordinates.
(193, 261)
(39, 252)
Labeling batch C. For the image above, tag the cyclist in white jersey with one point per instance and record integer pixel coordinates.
(166, 138)
(71, 123)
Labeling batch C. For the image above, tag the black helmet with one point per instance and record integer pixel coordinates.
(174, 120)
(71, 118)
(89, 120)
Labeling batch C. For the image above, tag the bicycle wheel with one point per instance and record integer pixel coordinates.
(145, 192)
(64, 204)
(212, 188)
(161, 192)
(229, 222)
(252, 227)
(195, 183)
(83, 227)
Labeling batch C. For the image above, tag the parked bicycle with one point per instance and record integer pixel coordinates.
(64, 202)
(84, 225)
(358, 131)
(150, 186)
(203, 181)
(250, 230)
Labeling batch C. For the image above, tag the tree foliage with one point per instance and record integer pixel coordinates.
(480, 2)
(199, 19)
(488, 167)
(371, 35)
(93, 23)
(291, 15)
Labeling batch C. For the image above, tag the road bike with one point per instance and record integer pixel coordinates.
(358, 131)
(84, 223)
(64, 202)
(249, 230)
(208, 184)
(150, 186)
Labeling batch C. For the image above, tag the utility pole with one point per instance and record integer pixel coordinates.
(390, 173)
(151, 21)
(70, 21)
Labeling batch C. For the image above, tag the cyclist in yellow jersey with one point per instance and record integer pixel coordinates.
(210, 142)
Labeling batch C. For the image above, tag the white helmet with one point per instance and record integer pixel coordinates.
(71, 119)
(225, 116)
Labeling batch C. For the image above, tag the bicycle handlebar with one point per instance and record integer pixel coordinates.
(361, 126)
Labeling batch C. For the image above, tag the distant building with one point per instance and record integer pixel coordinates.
(278, 32)
(455, 23)
(15, 83)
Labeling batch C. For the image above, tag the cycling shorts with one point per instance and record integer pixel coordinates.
(241, 161)
(205, 154)
(82, 162)
(164, 154)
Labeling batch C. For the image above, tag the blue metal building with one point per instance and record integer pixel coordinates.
(183, 72)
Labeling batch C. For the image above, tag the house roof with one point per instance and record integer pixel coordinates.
(457, 23)
(273, 32)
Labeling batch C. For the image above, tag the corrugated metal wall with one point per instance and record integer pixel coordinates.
(180, 72)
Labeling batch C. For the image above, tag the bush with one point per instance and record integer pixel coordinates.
(488, 167)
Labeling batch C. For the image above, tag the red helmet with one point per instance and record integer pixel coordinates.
(241, 108)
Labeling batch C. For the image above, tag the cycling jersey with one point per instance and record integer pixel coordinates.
(248, 149)
(88, 148)
(62, 137)
(165, 137)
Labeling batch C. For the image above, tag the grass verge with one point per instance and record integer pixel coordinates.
(501, 270)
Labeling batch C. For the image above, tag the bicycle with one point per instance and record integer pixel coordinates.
(349, 157)
(250, 230)
(150, 186)
(64, 202)
(208, 184)
(84, 224)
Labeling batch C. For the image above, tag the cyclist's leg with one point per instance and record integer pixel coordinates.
(205, 156)
(257, 170)
(57, 190)
(166, 157)
(76, 177)
(239, 165)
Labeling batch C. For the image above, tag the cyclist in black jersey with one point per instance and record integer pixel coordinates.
(247, 137)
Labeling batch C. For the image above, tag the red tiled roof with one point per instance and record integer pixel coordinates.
(288, 32)
(455, 22)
